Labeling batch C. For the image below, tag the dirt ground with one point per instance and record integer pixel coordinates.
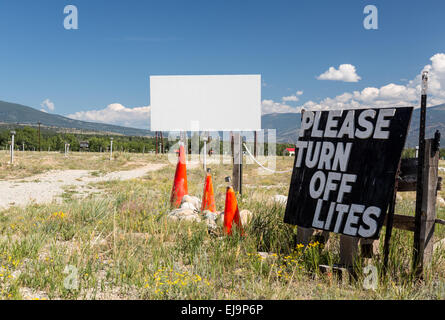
(44, 188)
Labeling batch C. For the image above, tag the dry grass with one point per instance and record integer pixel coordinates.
(30, 163)
(124, 247)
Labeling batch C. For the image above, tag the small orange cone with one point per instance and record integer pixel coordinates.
(208, 198)
(231, 212)
(180, 183)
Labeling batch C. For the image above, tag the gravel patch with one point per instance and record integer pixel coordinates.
(46, 187)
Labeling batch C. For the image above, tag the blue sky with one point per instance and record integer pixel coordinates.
(101, 70)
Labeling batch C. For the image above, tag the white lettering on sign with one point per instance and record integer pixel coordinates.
(352, 220)
(382, 123)
(366, 124)
(320, 178)
(369, 221)
(365, 128)
(332, 123)
(330, 185)
(306, 122)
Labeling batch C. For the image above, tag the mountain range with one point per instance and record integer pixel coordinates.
(286, 124)
(19, 114)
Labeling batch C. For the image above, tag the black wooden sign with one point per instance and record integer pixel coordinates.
(345, 168)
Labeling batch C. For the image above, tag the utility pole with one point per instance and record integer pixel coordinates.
(420, 164)
(39, 135)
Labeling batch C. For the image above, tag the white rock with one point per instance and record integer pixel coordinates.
(211, 224)
(185, 212)
(246, 216)
(191, 199)
(209, 215)
(181, 212)
(279, 198)
(188, 205)
(441, 201)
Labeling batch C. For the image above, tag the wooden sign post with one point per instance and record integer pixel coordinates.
(420, 213)
(424, 229)
(237, 162)
(156, 143)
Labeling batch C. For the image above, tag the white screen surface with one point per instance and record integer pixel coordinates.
(205, 103)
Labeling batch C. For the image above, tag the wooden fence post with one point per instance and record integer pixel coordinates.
(304, 235)
(369, 247)
(424, 231)
(348, 250)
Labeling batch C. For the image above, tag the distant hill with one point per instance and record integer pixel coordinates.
(435, 120)
(17, 113)
(288, 124)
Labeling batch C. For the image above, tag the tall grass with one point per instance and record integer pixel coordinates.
(124, 246)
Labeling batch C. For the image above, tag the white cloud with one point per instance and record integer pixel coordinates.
(290, 98)
(438, 62)
(117, 114)
(270, 106)
(345, 72)
(293, 98)
(48, 105)
(389, 95)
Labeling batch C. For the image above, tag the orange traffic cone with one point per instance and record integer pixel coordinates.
(231, 212)
(208, 198)
(180, 184)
